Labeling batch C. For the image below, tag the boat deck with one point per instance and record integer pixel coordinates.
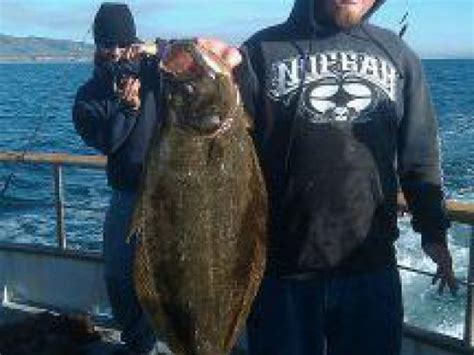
(415, 341)
(108, 344)
(109, 337)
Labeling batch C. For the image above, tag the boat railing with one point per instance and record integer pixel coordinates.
(459, 212)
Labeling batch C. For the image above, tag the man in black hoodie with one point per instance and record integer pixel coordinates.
(116, 112)
(343, 117)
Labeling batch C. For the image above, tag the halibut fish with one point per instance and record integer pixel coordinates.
(201, 214)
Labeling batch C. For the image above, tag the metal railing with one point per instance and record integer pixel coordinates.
(57, 161)
(457, 211)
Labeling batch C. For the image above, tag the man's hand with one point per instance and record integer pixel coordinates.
(129, 92)
(229, 54)
(440, 254)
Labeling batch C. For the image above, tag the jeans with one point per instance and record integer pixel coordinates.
(328, 314)
(137, 333)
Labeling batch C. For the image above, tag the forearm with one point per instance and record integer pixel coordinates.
(427, 205)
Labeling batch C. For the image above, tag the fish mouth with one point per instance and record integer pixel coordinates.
(195, 78)
(183, 59)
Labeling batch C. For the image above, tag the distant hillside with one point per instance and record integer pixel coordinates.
(43, 49)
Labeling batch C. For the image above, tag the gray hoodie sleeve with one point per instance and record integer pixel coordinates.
(419, 156)
(250, 86)
(247, 81)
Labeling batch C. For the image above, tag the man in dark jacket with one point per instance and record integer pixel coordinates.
(116, 112)
(343, 118)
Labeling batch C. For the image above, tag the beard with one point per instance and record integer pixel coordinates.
(345, 18)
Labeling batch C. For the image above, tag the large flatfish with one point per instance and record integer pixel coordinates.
(202, 210)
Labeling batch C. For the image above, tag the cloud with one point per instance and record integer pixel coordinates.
(45, 19)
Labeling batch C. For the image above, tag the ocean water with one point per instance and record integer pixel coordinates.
(35, 115)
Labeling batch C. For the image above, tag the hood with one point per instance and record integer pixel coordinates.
(302, 14)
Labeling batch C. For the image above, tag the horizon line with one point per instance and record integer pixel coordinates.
(425, 56)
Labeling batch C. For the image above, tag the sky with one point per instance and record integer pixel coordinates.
(438, 28)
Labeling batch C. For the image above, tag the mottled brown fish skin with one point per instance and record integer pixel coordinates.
(201, 219)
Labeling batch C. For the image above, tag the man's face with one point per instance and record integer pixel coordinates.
(347, 13)
(111, 53)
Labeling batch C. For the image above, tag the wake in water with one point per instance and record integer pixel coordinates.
(424, 306)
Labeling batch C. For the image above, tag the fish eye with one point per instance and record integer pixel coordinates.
(189, 88)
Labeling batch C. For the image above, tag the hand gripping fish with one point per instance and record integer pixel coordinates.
(201, 213)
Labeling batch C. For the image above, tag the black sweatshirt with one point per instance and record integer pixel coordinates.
(106, 123)
(342, 119)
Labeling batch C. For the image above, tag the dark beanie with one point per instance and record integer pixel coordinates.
(114, 25)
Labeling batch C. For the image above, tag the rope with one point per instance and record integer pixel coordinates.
(404, 23)
(431, 274)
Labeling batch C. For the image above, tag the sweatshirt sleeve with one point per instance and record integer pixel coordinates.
(100, 118)
(250, 86)
(419, 156)
(247, 81)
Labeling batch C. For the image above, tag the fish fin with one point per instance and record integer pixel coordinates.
(257, 213)
(151, 299)
(248, 121)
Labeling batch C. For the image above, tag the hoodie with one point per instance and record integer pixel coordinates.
(109, 125)
(343, 119)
